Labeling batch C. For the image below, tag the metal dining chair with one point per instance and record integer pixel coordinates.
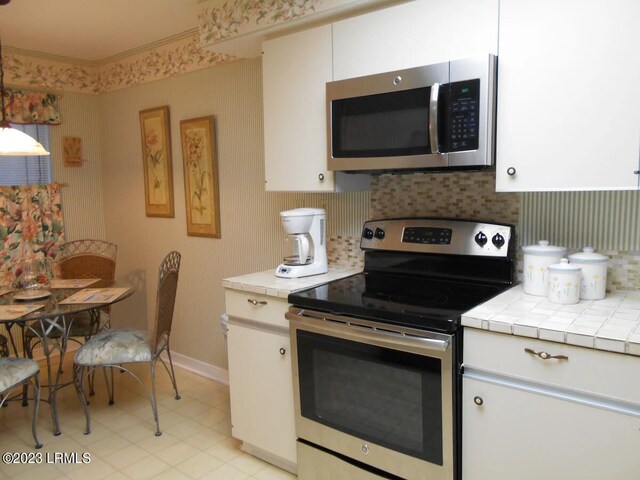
(15, 372)
(83, 259)
(118, 347)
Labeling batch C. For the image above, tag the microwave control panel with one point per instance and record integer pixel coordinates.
(464, 109)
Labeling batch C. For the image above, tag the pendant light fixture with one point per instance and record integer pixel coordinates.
(14, 142)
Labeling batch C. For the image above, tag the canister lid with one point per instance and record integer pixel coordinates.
(564, 267)
(543, 248)
(588, 256)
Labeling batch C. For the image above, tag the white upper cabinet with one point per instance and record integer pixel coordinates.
(413, 34)
(294, 71)
(568, 102)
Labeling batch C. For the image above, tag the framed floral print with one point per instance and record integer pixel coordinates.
(156, 159)
(200, 177)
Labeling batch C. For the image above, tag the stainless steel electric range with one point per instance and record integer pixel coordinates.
(377, 356)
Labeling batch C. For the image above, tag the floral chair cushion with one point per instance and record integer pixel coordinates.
(15, 370)
(115, 346)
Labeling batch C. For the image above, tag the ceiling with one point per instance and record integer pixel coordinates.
(93, 30)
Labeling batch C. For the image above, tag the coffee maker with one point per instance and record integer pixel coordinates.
(304, 247)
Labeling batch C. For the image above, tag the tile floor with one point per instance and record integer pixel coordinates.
(196, 442)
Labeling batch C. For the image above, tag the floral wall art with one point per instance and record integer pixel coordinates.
(200, 177)
(156, 158)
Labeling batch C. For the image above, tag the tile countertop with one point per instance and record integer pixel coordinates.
(268, 284)
(611, 324)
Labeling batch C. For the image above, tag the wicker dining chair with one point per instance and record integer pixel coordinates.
(117, 347)
(14, 372)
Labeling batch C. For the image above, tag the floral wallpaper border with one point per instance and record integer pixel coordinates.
(175, 58)
(189, 53)
(238, 17)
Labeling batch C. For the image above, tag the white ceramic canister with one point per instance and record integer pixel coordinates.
(594, 273)
(537, 259)
(564, 282)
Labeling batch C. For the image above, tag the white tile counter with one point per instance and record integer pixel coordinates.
(611, 324)
(267, 283)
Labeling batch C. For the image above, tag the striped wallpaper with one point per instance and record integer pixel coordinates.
(604, 220)
(251, 231)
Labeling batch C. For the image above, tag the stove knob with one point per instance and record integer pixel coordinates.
(379, 234)
(498, 240)
(368, 233)
(481, 239)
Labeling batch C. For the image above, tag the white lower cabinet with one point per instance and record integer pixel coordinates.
(260, 383)
(516, 426)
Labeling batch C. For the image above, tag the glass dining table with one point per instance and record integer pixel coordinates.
(49, 323)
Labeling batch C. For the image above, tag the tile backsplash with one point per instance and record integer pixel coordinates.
(608, 221)
(454, 195)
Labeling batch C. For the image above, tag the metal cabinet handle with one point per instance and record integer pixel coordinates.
(478, 401)
(321, 177)
(511, 171)
(545, 355)
(254, 302)
(282, 350)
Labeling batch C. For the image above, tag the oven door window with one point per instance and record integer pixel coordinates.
(382, 125)
(384, 396)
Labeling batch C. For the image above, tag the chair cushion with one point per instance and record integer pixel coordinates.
(15, 370)
(115, 346)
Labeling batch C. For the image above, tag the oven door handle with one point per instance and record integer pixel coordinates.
(424, 339)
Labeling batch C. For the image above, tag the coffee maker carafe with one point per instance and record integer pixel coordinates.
(304, 247)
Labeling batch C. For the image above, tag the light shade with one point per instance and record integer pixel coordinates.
(16, 143)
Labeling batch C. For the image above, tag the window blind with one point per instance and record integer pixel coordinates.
(28, 170)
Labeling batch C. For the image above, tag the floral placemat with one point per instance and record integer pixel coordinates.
(72, 282)
(11, 312)
(95, 295)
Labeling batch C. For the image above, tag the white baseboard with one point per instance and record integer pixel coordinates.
(191, 364)
(200, 368)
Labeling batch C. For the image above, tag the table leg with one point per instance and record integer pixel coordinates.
(52, 343)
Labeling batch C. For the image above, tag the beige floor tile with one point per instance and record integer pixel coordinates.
(273, 473)
(126, 456)
(205, 439)
(225, 472)
(177, 453)
(97, 469)
(149, 467)
(247, 464)
(196, 440)
(152, 443)
(199, 465)
(172, 474)
(108, 445)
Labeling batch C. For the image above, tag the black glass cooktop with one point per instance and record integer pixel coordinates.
(416, 302)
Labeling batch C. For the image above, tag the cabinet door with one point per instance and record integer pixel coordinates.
(295, 69)
(527, 436)
(413, 34)
(261, 390)
(567, 95)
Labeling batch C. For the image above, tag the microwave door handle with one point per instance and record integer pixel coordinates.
(433, 118)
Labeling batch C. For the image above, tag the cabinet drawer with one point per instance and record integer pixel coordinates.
(602, 373)
(258, 307)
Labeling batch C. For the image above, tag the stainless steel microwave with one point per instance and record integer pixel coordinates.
(434, 117)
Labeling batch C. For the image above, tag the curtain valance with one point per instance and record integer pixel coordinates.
(35, 108)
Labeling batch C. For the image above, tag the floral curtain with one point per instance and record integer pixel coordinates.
(31, 226)
(31, 107)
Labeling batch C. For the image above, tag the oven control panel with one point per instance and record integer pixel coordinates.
(443, 236)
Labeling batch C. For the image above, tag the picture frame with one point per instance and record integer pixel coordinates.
(156, 161)
(202, 198)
